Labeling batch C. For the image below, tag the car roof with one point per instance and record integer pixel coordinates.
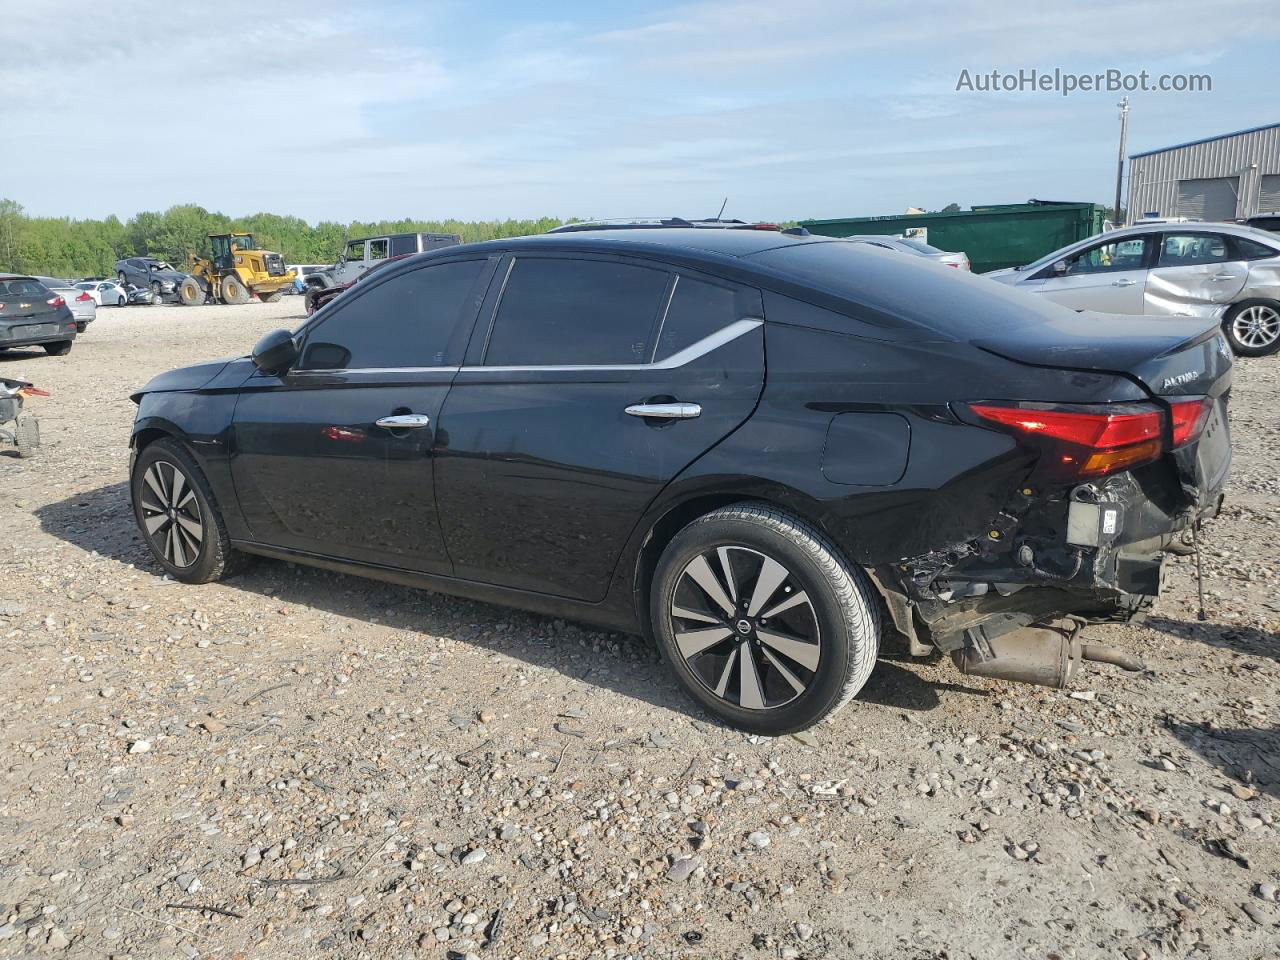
(689, 241)
(17, 276)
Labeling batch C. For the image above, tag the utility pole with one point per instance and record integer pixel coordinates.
(1124, 135)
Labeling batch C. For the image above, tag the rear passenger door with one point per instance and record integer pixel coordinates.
(1194, 269)
(589, 383)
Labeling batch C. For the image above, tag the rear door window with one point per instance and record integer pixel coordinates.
(1246, 249)
(1127, 254)
(378, 249)
(407, 321)
(561, 312)
(402, 245)
(1192, 249)
(697, 310)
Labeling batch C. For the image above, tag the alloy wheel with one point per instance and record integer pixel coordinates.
(1257, 326)
(171, 513)
(746, 627)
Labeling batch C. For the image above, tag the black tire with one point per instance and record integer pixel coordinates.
(1252, 327)
(59, 349)
(190, 293)
(184, 555)
(233, 291)
(26, 436)
(157, 297)
(121, 301)
(310, 297)
(122, 278)
(271, 297)
(81, 325)
(821, 599)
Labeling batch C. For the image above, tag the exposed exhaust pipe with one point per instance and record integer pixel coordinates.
(1039, 655)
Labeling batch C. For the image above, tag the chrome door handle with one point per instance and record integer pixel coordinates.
(1223, 276)
(405, 421)
(665, 411)
(1123, 283)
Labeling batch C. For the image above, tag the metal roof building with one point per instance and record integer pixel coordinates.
(1230, 176)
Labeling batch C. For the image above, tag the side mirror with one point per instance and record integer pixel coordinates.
(276, 352)
(1060, 267)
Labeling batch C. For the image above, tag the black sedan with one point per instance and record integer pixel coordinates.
(33, 315)
(776, 455)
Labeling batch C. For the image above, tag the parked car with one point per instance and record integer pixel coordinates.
(1220, 271)
(586, 425)
(140, 296)
(359, 255)
(1264, 221)
(31, 315)
(317, 298)
(915, 248)
(160, 277)
(84, 308)
(104, 292)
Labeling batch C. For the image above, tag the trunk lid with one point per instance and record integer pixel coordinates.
(1172, 358)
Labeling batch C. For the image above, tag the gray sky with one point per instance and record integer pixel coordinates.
(477, 110)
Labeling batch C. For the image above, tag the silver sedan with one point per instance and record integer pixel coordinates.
(1220, 271)
(83, 307)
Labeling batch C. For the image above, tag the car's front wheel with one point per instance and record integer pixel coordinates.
(1253, 327)
(177, 514)
(762, 620)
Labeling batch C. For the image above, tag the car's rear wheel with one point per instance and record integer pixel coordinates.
(120, 300)
(178, 516)
(1253, 327)
(59, 349)
(81, 325)
(762, 620)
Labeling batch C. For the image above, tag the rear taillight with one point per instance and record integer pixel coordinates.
(56, 301)
(1189, 417)
(83, 298)
(1084, 441)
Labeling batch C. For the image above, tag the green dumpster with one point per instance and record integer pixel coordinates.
(993, 236)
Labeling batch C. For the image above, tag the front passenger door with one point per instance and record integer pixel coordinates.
(1109, 277)
(336, 457)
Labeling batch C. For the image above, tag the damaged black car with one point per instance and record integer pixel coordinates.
(777, 455)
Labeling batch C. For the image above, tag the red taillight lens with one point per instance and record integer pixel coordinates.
(56, 301)
(83, 298)
(1088, 442)
(1189, 418)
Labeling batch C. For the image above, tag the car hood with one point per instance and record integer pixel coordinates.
(1007, 275)
(184, 378)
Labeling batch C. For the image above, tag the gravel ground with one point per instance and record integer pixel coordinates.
(301, 764)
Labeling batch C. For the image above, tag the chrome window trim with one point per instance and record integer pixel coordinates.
(690, 353)
(333, 370)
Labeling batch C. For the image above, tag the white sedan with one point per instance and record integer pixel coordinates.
(105, 292)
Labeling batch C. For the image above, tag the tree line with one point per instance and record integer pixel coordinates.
(64, 247)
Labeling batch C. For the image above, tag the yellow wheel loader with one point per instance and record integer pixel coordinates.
(236, 271)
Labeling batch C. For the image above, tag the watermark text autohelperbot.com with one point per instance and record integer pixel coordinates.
(1066, 83)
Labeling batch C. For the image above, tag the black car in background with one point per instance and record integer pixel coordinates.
(775, 454)
(33, 315)
(158, 276)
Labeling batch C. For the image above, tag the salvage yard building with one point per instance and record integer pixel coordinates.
(1234, 175)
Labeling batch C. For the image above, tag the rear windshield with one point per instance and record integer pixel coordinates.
(907, 291)
(919, 246)
(22, 287)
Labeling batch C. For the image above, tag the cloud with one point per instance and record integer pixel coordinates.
(403, 109)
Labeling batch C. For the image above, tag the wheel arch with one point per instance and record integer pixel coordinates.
(666, 520)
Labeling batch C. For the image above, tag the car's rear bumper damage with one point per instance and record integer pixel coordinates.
(1012, 604)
